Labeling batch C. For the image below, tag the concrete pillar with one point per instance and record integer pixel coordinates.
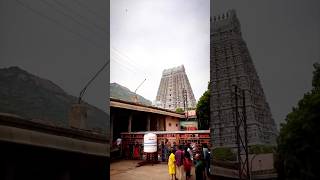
(158, 123)
(148, 122)
(162, 124)
(130, 122)
(111, 126)
(78, 116)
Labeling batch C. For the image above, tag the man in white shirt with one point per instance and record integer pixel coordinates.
(119, 142)
(190, 152)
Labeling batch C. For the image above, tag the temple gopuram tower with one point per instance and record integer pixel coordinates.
(174, 89)
(231, 64)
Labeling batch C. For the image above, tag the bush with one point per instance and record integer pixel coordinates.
(261, 149)
(179, 110)
(224, 154)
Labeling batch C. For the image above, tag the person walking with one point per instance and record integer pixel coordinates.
(206, 154)
(190, 151)
(199, 168)
(119, 146)
(174, 146)
(172, 165)
(167, 149)
(186, 153)
(187, 164)
(179, 155)
(163, 151)
(131, 147)
(127, 152)
(136, 153)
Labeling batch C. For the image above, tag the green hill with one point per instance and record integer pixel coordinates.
(42, 101)
(120, 92)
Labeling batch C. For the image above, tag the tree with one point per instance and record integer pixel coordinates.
(203, 110)
(316, 77)
(179, 110)
(298, 150)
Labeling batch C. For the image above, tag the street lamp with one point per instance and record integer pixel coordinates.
(89, 82)
(135, 94)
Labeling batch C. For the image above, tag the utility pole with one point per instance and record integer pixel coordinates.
(177, 102)
(185, 103)
(241, 139)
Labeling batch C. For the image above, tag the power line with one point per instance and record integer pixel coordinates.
(115, 59)
(71, 10)
(124, 55)
(89, 10)
(130, 61)
(121, 67)
(123, 62)
(66, 15)
(73, 32)
(59, 24)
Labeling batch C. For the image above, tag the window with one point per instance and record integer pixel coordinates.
(176, 125)
(169, 124)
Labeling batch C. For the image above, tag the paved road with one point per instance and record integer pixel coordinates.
(127, 170)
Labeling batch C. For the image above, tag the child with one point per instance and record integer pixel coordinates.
(187, 163)
(172, 165)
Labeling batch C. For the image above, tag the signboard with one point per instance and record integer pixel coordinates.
(188, 125)
(191, 113)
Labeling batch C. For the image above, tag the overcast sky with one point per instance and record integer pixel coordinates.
(283, 38)
(62, 41)
(148, 36)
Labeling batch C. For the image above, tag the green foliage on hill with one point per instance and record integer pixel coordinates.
(120, 92)
(298, 151)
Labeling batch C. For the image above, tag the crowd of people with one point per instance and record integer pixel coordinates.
(182, 157)
(133, 151)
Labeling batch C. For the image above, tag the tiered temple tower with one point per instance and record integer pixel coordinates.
(174, 88)
(231, 64)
